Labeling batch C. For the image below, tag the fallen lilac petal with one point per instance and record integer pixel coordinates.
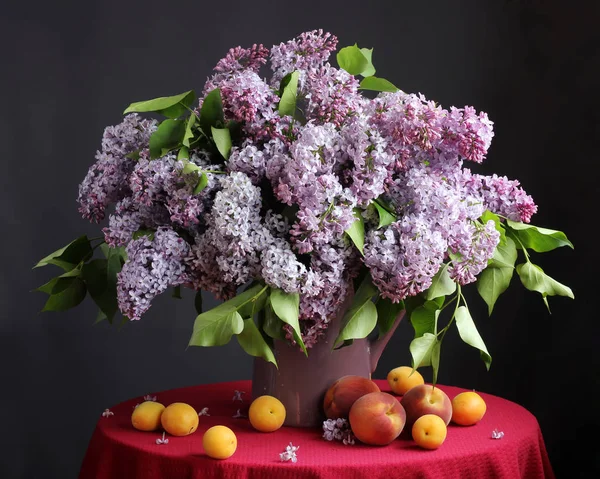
(164, 440)
(238, 415)
(237, 395)
(497, 434)
(108, 413)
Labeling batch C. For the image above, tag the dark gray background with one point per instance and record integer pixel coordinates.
(70, 68)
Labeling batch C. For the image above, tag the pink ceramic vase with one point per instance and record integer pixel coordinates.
(300, 382)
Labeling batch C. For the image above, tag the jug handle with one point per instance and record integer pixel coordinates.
(376, 346)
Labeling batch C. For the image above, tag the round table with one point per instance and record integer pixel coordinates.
(116, 450)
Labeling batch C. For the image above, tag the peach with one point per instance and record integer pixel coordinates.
(426, 399)
(429, 431)
(341, 395)
(377, 418)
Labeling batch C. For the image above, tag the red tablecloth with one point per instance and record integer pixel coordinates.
(116, 450)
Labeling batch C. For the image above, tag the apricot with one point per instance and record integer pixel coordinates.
(341, 395)
(219, 442)
(426, 399)
(468, 408)
(429, 431)
(179, 419)
(146, 416)
(266, 413)
(403, 378)
(377, 418)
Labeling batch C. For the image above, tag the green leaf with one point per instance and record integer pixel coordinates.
(167, 136)
(211, 113)
(356, 232)
(100, 276)
(48, 287)
(202, 182)
(495, 279)
(272, 325)
(504, 255)
(68, 257)
(368, 54)
(215, 327)
(469, 334)
(188, 168)
(134, 155)
(354, 61)
(424, 318)
(287, 104)
(253, 342)
(385, 217)
(425, 351)
(189, 134)
(534, 279)
(377, 84)
(100, 317)
(198, 301)
(143, 232)
(183, 153)
(177, 292)
(286, 307)
(536, 238)
(441, 284)
(222, 139)
(387, 313)
(256, 304)
(71, 292)
(361, 317)
(169, 106)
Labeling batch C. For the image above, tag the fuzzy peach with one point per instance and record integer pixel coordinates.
(377, 418)
(426, 399)
(341, 395)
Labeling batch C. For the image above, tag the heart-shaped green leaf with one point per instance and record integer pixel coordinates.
(68, 257)
(287, 104)
(469, 334)
(378, 84)
(356, 232)
(286, 307)
(169, 106)
(536, 238)
(253, 342)
(441, 284)
(167, 136)
(222, 139)
(211, 113)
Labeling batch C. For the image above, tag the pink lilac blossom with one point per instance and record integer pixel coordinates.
(331, 95)
(307, 51)
(152, 266)
(238, 59)
(106, 180)
(502, 196)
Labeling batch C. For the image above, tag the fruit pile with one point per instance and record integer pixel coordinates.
(266, 414)
(377, 418)
(181, 419)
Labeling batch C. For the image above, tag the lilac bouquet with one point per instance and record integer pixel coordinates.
(290, 193)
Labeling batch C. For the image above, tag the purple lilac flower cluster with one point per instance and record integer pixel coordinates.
(277, 209)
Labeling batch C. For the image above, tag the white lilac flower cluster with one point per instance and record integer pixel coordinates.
(338, 430)
(277, 208)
